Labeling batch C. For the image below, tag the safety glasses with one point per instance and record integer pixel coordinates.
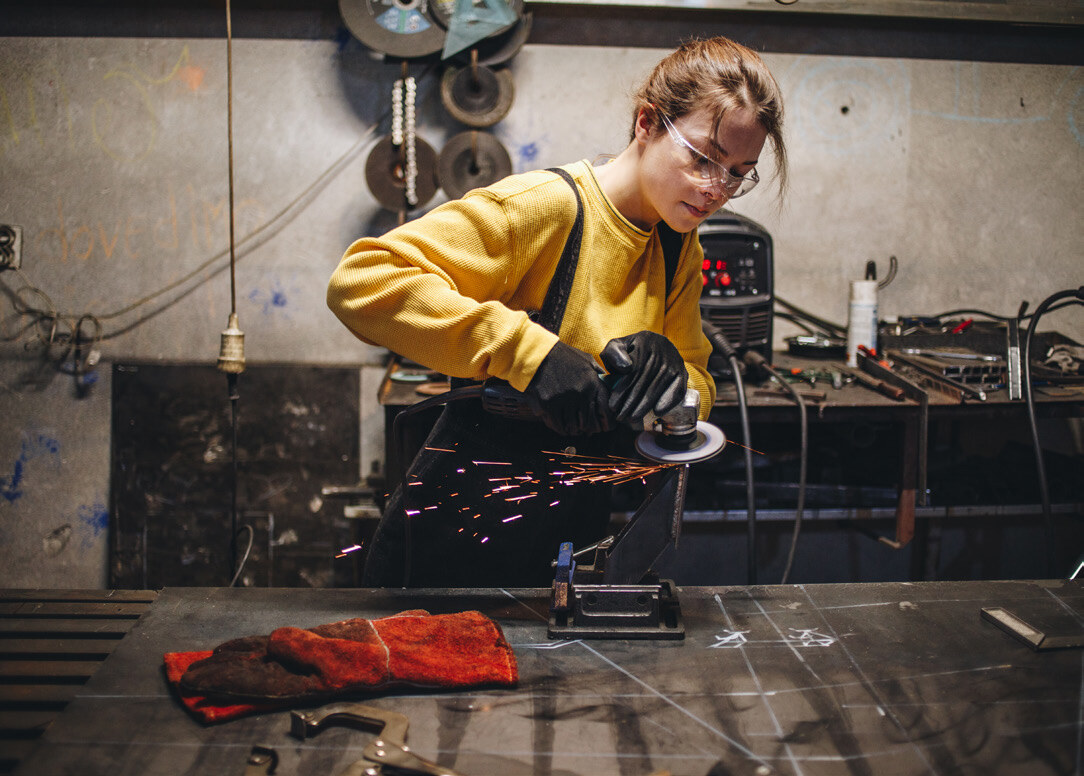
(707, 172)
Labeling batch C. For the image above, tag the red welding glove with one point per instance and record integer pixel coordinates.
(652, 375)
(413, 648)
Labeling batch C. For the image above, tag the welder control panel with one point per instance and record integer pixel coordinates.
(734, 266)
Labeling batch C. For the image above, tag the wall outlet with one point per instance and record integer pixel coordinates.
(11, 247)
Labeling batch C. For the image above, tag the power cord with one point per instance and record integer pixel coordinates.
(721, 344)
(248, 549)
(1076, 296)
(755, 360)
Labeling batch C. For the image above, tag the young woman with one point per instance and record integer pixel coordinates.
(529, 280)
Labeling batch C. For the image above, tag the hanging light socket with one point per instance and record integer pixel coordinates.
(231, 353)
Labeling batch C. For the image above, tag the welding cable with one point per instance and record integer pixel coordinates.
(751, 358)
(248, 549)
(1077, 297)
(720, 343)
(1020, 316)
(835, 328)
(893, 268)
(799, 322)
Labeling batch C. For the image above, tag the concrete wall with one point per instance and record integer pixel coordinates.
(113, 157)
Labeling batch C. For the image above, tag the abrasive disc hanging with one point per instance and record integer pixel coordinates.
(471, 160)
(385, 172)
(399, 28)
(499, 47)
(477, 96)
(495, 49)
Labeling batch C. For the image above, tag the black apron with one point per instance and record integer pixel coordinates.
(488, 500)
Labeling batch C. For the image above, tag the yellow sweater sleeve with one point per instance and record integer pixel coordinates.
(451, 290)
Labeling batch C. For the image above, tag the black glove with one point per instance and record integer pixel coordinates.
(569, 393)
(652, 375)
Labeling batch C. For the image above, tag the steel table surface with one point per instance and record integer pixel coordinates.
(875, 678)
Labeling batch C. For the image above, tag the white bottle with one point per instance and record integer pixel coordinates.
(861, 318)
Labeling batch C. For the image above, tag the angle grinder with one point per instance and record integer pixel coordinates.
(676, 436)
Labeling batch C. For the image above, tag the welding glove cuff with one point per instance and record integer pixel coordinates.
(568, 393)
(651, 375)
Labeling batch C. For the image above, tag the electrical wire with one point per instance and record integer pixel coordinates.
(246, 245)
(229, 155)
(232, 375)
(720, 343)
(893, 268)
(994, 316)
(752, 358)
(829, 326)
(248, 549)
(799, 322)
(1044, 307)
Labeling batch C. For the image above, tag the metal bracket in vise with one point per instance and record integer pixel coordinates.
(617, 596)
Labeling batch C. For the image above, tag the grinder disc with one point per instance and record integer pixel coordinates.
(384, 173)
(399, 28)
(479, 96)
(471, 160)
(710, 441)
(498, 49)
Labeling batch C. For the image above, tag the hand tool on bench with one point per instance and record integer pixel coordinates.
(386, 755)
(262, 761)
(883, 372)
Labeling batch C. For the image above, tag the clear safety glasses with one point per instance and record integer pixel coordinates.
(708, 172)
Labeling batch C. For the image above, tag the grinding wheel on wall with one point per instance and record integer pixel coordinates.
(385, 172)
(477, 95)
(471, 160)
(399, 28)
(496, 48)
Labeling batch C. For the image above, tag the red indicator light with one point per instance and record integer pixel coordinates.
(703, 280)
(723, 279)
(707, 264)
(720, 265)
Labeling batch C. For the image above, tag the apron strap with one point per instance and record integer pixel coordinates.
(553, 307)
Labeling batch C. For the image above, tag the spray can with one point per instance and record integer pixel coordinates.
(862, 314)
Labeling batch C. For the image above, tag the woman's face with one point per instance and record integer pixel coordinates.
(681, 184)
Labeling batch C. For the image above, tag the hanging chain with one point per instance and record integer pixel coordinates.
(411, 145)
(404, 132)
(397, 113)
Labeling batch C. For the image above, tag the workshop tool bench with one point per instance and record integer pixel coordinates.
(853, 402)
(876, 678)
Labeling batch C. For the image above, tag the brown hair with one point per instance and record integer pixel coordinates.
(720, 75)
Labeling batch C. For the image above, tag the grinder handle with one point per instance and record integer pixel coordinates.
(500, 398)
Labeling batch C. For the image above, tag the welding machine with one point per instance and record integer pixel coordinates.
(737, 285)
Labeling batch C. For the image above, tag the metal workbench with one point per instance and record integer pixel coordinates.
(890, 678)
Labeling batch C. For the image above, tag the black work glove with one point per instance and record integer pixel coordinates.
(569, 393)
(652, 375)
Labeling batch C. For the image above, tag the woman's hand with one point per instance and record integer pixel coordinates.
(569, 393)
(652, 375)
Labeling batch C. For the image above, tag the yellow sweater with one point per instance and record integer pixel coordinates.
(450, 290)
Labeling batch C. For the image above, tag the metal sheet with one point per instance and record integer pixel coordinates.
(875, 678)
